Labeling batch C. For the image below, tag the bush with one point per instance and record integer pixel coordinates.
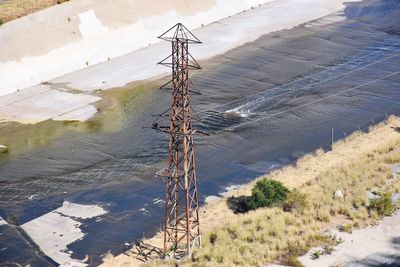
(348, 228)
(267, 193)
(295, 200)
(213, 238)
(383, 206)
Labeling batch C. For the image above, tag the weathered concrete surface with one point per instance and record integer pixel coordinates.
(68, 37)
(42, 103)
(55, 230)
(103, 35)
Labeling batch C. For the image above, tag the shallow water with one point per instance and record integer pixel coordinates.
(265, 104)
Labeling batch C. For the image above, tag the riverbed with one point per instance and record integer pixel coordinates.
(265, 104)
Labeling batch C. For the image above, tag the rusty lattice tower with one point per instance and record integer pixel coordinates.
(181, 225)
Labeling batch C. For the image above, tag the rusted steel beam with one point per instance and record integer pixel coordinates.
(181, 223)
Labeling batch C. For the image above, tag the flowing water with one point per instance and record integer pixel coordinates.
(264, 104)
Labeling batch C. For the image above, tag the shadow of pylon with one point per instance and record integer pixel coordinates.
(144, 252)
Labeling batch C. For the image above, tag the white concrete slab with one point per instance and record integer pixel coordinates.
(43, 103)
(80, 114)
(55, 230)
(80, 211)
(23, 94)
(2, 221)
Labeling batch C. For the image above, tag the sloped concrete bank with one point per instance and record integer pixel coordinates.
(73, 37)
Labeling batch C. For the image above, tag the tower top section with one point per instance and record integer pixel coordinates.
(180, 33)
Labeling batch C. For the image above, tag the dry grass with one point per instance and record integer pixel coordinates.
(13, 9)
(361, 162)
(272, 235)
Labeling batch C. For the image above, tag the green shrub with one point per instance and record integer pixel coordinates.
(383, 206)
(295, 200)
(267, 193)
(213, 238)
(316, 254)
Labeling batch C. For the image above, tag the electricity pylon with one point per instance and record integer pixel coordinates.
(181, 224)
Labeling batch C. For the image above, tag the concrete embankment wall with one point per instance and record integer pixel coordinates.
(80, 33)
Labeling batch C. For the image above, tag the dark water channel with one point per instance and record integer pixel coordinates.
(265, 104)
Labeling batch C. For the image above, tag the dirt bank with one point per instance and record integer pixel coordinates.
(360, 155)
(13, 9)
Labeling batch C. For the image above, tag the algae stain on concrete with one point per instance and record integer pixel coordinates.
(116, 107)
(21, 138)
(120, 105)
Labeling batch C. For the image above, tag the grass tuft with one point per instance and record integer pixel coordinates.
(383, 206)
(279, 233)
(282, 233)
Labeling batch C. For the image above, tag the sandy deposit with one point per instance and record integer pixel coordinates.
(376, 243)
(106, 31)
(216, 213)
(55, 230)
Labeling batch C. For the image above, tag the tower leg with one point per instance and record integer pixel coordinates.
(181, 224)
